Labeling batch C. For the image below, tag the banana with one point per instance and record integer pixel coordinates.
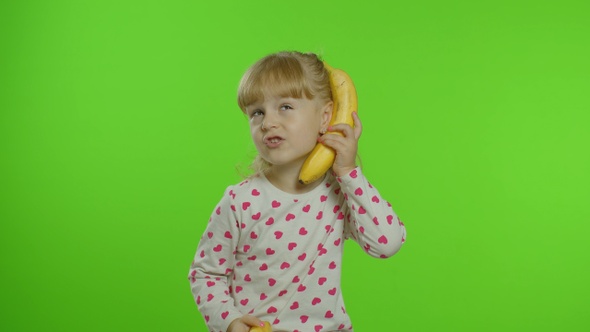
(344, 97)
(266, 328)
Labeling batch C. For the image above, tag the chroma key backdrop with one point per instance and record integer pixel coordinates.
(119, 132)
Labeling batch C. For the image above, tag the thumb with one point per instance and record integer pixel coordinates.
(252, 321)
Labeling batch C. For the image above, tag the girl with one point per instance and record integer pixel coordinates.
(272, 250)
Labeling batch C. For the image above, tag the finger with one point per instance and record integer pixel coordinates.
(338, 144)
(252, 321)
(358, 126)
(330, 139)
(343, 128)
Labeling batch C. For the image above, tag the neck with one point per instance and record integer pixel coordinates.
(287, 179)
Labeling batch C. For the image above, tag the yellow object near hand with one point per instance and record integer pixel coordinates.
(266, 328)
(344, 97)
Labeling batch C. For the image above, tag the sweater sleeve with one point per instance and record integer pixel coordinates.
(212, 267)
(370, 219)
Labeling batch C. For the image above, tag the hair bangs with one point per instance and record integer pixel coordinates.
(278, 76)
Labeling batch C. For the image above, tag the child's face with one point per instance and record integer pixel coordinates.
(285, 129)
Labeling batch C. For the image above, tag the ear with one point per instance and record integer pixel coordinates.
(327, 112)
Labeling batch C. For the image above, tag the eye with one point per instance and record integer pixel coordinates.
(256, 113)
(285, 107)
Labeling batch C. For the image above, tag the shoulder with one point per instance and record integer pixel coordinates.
(248, 187)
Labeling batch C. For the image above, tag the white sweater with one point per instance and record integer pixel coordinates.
(278, 256)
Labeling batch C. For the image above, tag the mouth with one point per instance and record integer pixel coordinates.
(273, 141)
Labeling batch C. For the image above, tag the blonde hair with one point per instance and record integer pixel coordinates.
(285, 74)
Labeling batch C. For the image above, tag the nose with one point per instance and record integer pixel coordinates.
(269, 122)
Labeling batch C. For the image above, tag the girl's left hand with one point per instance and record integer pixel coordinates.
(346, 146)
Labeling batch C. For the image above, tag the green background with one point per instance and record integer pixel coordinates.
(119, 132)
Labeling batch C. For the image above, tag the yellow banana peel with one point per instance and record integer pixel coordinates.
(266, 328)
(345, 101)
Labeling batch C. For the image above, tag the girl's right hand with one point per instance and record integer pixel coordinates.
(244, 323)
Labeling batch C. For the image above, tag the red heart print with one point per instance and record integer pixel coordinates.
(244, 302)
(224, 314)
(319, 216)
(269, 251)
(332, 265)
(290, 217)
(329, 314)
(271, 282)
(263, 267)
(278, 234)
(283, 292)
(390, 219)
(209, 234)
(322, 280)
(252, 258)
(302, 257)
(247, 278)
(210, 297)
(255, 192)
(245, 205)
(306, 208)
(323, 198)
(375, 199)
(362, 210)
(294, 306)
(239, 289)
(311, 270)
(256, 216)
(285, 265)
(304, 318)
(210, 283)
(246, 248)
(270, 221)
(217, 248)
(383, 239)
(332, 291)
(295, 279)
(218, 210)
(275, 204)
(316, 300)
(318, 328)
(227, 235)
(263, 297)
(301, 288)
(336, 208)
(271, 310)
(292, 246)
(302, 231)
(221, 261)
(358, 191)
(353, 174)
(375, 221)
(253, 235)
